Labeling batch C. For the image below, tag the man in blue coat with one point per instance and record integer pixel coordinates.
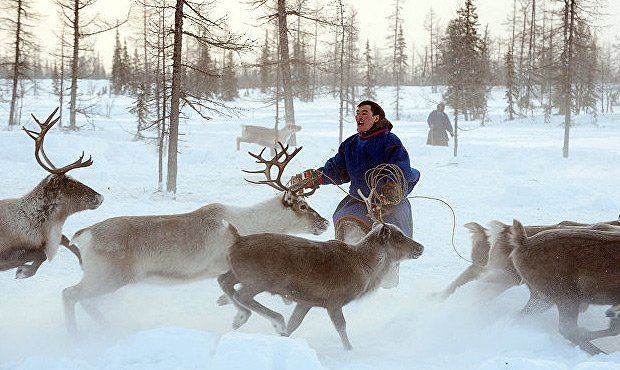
(374, 144)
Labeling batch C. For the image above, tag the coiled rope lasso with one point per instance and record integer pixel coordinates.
(391, 173)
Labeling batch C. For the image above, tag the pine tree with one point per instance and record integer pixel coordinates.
(302, 75)
(400, 68)
(117, 67)
(140, 110)
(465, 63)
(266, 66)
(230, 88)
(369, 91)
(585, 67)
(511, 89)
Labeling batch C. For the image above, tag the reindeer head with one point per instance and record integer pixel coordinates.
(293, 197)
(388, 235)
(394, 242)
(58, 188)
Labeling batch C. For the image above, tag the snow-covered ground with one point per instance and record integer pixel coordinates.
(503, 171)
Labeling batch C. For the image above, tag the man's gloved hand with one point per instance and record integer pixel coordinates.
(310, 176)
(391, 193)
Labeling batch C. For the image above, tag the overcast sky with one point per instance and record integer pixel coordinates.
(371, 14)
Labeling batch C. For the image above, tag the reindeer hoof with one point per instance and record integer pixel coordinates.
(280, 326)
(613, 312)
(223, 300)
(240, 319)
(24, 272)
(590, 348)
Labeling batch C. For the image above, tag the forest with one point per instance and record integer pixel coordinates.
(551, 62)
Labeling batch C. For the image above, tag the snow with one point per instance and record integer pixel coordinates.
(503, 171)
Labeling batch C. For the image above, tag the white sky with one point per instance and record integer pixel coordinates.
(372, 18)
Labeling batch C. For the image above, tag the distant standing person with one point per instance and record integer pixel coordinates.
(439, 127)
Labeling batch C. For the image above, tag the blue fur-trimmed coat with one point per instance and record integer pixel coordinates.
(356, 155)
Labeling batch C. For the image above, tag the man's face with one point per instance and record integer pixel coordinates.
(364, 118)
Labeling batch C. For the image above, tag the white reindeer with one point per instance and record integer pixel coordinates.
(188, 246)
(267, 136)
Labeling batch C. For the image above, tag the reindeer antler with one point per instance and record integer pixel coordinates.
(38, 138)
(280, 163)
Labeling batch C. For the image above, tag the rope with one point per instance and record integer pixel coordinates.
(374, 175)
(453, 223)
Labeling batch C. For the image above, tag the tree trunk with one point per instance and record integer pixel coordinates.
(161, 99)
(74, 65)
(341, 85)
(456, 124)
(175, 97)
(285, 66)
(569, 22)
(16, 69)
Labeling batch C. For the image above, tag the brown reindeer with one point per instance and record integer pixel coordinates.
(492, 266)
(31, 226)
(569, 267)
(181, 247)
(327, 274)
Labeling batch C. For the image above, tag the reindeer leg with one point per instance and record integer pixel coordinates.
(227, 282)
(536, 304)
(37, 257)
(612, 330)
(335, 313)
(223, 300)
(569, 312)
(495, 283)
(67, 244)
(245, 297)
(90, 287)
(13, 258)
(470, 274)
(297, 317)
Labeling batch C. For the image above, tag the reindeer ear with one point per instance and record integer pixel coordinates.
(385, 233)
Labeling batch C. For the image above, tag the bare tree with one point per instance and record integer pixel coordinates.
(399, 59)
(17, 24)
(430, 24)
(342, 33)
(568, 27)
(82, 26)
(202, 30)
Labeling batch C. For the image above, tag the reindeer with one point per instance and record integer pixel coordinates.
(31, 226)
(569, 267)
(267, 136)
(491, 264)
(182, 247)
(327, 274)
(352, 230)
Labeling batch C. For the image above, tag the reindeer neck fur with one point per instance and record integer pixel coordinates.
(267, 216)
(41, 211)
(375, 260)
